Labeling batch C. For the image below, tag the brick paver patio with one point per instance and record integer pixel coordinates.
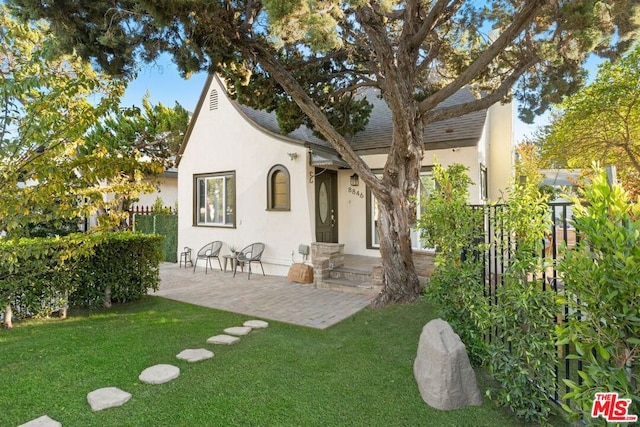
(267, 297)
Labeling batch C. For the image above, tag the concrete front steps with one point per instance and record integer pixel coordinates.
(350, 280)
(335, 270)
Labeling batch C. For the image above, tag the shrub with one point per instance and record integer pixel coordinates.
(521, 352)
(452, 227)
(121, 269)
(42, 275)
(601, 277)
(519, 316)
(37, 274)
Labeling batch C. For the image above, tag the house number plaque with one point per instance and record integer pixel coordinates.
(356, 192)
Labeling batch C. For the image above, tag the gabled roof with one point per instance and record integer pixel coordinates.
(463, 131)
(458, 132)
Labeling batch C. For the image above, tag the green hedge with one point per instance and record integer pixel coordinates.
(120, 270)
(41, 275)
(144, 224)
(165, 225)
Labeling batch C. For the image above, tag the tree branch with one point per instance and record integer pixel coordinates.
(440, 12)
(497, 95)
(520, 20)
(266, 56)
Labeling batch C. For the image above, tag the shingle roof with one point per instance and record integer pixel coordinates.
(376, 137)
(269, 122)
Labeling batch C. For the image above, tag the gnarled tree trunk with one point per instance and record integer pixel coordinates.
(401, 283)
(396, 204)
(398, 188)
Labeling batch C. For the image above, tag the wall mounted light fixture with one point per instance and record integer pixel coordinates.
(355, 180)
(293, 156)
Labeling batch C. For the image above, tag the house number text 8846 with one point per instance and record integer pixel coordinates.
(356, 192)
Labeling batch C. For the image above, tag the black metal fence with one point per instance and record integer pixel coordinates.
(499, 244)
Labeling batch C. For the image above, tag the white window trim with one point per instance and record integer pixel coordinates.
(415, 234)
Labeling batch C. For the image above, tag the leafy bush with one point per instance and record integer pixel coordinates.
(522, 353)
(41, 275)
(37, 274)
(121, 269)
(519, 316)
(452, 227)
(601, 277)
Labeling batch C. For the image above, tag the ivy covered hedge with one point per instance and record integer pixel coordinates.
(41, 275)
(165, 225)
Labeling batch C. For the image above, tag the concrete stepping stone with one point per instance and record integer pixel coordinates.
(159, 374)
(238, 330)
(223, 339)
(195, 354)
(256, 324)
(43, 421)
(107, 397)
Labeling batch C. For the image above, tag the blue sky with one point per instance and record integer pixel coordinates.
(165, 85)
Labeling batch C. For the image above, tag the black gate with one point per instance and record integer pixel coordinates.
(495, 259)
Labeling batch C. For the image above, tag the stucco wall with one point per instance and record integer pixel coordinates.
(167, 191)
(222, 140)
(501, 149)
(352, 200)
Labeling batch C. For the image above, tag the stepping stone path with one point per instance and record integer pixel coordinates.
(195, 355)
(43, 421)
(108, 397)
(238, 330)
(159, 374)
(223, 339)
(256, 324)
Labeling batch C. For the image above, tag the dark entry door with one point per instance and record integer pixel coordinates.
(326, 206)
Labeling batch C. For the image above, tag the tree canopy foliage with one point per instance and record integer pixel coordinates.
(601, 123)
(48, 106)
(318, 54)
(137, 144)
(57, 163)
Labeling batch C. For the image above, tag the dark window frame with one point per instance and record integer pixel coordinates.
(197, 197)
(484, 183)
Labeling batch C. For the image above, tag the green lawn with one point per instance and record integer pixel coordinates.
(357, 373)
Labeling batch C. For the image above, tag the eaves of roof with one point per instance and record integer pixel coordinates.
(261, 120)
(463, 131)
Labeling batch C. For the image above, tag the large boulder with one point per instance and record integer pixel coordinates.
(442, 369)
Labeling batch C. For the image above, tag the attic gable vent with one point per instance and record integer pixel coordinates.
(213, 100)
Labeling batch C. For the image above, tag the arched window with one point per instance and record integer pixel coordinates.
(278, 189)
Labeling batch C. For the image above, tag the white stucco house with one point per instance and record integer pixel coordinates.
(241, 181)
